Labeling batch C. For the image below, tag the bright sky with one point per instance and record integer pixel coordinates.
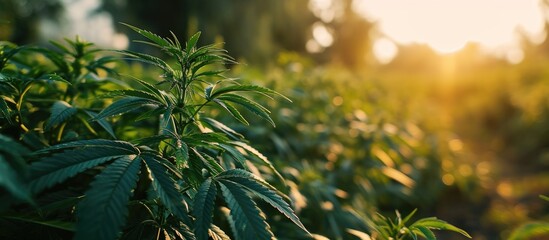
(448, 25)
(80, 19)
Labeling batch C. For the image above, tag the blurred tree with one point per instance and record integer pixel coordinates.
(252, 29)
(19, 19)
(352, 40)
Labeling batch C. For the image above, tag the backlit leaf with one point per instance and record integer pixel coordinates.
(261, 189)
(192, 42)
(434, 223)
(54, 169)
(151, 36)
(232, 110)
(248, 104)
(124, 105)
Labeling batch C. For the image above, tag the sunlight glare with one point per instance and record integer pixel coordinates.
(514, 56)
(322, 9)
(322, 35)
(448, 25)
(82, 18)
(384, 50)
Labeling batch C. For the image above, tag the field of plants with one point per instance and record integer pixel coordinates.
(179, 138)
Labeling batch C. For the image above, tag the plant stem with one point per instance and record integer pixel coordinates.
(158, 234)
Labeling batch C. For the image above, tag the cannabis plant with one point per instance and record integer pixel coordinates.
(104, 183)
(399, 228)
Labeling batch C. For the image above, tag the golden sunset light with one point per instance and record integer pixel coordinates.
(447, 25)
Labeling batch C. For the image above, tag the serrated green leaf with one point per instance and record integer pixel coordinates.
(101, 63)
(90, 144)
(135, 93)
(261, 189)
(124, 105)
(213, 166)
(52, 223)
(236, 155)
(208, 92)
(166, 188)
(15, 151)
(203, 209)
(8, 51)
(212, 73)
(208, 138)
(217, 234)
(183, 232)
(426, 232)
(205, 61)
(61, 166)
(216, 125)
(5, 111)
(103, 123)
(175, 42)
(61, 111)
(181, 153)
(413, 234)
(434, 223)
(408, 217)
(248, 88)
(259, 156)
(151, 36)
(146, 58)
(249, 221)
(153, 90)
(209, 53)
(60, 47)
(152, 140)
(53, 77)
(232, 223)
(248, 104)
(12, 181)
(103, 212)
(192, 42)
(151, 113)
(55, 57)
(232, 110)
(167, 124)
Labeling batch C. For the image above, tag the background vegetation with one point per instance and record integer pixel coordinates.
(463, 137)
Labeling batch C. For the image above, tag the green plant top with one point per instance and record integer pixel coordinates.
(162, 185)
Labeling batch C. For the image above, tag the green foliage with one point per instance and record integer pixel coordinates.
(386, 228)
(343, 155)
(13, 169)
(103, 211)
(152, 158)
(55, 84)
(530, 231)
(162, 183)
(77, 157)
(203, 208)
(246, 219)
